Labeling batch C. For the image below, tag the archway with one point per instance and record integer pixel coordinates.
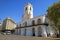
(39, 31)
(33, 31)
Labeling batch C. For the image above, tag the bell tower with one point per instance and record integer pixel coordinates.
(28, 12)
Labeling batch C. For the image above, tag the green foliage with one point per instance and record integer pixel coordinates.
(58, 23)
(54, 14)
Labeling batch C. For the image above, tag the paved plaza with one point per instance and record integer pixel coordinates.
(17, 37)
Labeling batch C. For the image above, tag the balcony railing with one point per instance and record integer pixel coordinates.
(33, 25)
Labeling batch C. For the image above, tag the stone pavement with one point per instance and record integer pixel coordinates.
(17, 37)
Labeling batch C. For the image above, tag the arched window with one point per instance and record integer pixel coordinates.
(33, 31)
(26, 8)
(30, 8)
(39, 21)
(25, 23)
(33, 22)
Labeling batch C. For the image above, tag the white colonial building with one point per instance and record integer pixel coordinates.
(33, 26)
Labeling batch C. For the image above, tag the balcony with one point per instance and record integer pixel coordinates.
(32, 25)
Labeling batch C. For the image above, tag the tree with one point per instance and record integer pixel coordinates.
(54, 14)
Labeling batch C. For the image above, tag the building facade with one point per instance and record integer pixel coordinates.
(33, 26)
(8, 24)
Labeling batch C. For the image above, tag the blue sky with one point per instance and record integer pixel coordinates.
(15, 8)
